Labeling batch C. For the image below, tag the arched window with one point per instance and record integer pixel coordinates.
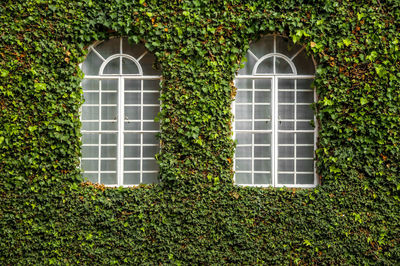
(273, 115)
(121, 92)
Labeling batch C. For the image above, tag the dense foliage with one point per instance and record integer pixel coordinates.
(196, 215)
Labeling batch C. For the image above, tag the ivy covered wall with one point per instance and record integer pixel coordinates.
(196, 215)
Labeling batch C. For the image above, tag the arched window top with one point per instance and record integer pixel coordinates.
(117, 57)
(277, 55)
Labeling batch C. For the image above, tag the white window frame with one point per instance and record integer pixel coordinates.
(274, 118)
(121, 113)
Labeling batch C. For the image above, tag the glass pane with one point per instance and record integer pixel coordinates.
(282, 66)
(262, 125)
(151, 98)
(108, 152)
(150, 138)
(263, 46)
(108, 165)
(109, 98)
(286, 97)
(147, 63)
(92, 177)
(151, 85)
(283, 125)
(149, 178)
(135, 50)
(150, 165)
(132, 98)
(243, 178)
(129, 67)
(90, 165)
(109, 125)
(286, 165)
(305, 97)
(304, 84)
(90, 112)
(132, 138)
(262, 97)
(151, 126)
(132, 151)
(262, 111)
(286, 112)
(243, 152)
(150, 151)
(91, 97)
(262, 138)
(131, 178)
(132, 112)
(132, 126)
(108, 178)
(305, 165)
(243, 165)
(150, 112)
(262, 179)
(305, 151)
(286, 151)
(109, 85)
(244, 83)
(90, 138)
(286, 46)
(243, 138)
(304, 126)
(305, 179)
(262, 152)
(286, 179)
(92, 63)
(262, 84)
(266, 66)
(109, 47)
(286, 84)
(262, 165)
(112, 67)
(90, 84)
(304, 64)
(286, 138)
(305, 138)
(244, 97)
(90, 126)
(243, 111)
(132, 85)
(90, 152)
(305, 112)
(248, 66)
(131, 165)
(109, 113)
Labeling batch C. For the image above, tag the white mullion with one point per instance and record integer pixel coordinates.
(99, 159)
(121, 118)
(252, 135)
(274, 153)
(234, 133)
(141, 135)
(295, 133)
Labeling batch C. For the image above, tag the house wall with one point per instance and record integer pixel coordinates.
(196, 214)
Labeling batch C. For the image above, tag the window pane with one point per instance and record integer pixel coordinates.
(243, 152)
(109, 98)
(305, 179)
(91, 97)
(108, 178)
(108, 152)
(132, 98)
(282, 66)
(150, 112)
(262, 138)
(132, 112)
(262, 97)
(266, 66)
(108, 165)
(132, 85)
(304, 112)
(243, 125)
(131, 165)
(262, 111)
(305, 165)
(243, 178)
(90, 113)
(132, 152)
(132, 138)
(131, 178)
(243, 138)
(286, 179)
(109, 84)
(149, 178)
(243, 111)
(262, 152)
(286, 165)
(112, 67)
(90, 165)
(262, 84)
(90, 152)
(262, 178)
(243, 165)
(151, 98)
(129, 67)
(244, 97)
(262, 165)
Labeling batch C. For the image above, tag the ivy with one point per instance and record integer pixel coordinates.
(49, 215)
